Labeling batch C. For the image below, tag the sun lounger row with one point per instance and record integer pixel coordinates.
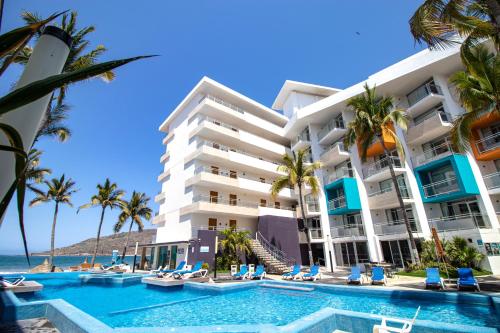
(180, 272)
(245, 273)
(296, 274)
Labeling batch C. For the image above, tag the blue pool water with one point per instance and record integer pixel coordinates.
(254, 305)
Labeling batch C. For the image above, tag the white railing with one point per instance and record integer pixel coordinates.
(423, 91)
(488, 143)
(347, 230)
(313, 206)
(303, 136)
(236, 202)
(402, 189)
(338, 144)
(219, 228)
(222, 147)
(443, 116)
(381, 165)
(335, 123)
(316, 233)
(222, 102)
(337, 174)
(336, 203)
(441, 187)
(442, 150)
(460, 222)
(218, 123)
(276, 253)
(395, 227)
(492, 180)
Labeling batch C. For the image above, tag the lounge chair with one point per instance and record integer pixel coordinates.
(197, 270)
(466, 279)
(260, 273)
(242, 274)
(378, 276)
(11, 281)
(313, 274)
(168, 272)
(293, 274)
(407, 324)
(355, 276)
(433, 279)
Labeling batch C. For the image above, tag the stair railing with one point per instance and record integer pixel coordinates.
(274, 251)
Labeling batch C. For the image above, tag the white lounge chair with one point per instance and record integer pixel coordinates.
(407, 325)
(196, 271)
(9, 282)
(155, 271)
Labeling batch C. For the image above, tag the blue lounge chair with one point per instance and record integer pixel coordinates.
(168, 272)
(260, 273)
(433, 279)
(355, 276)
(466, 279)
(293, 274)
(197, 270)
(313, 274)
(11, 281)
(242, 274)
(378, 276)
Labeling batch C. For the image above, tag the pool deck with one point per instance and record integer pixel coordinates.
(36, 325)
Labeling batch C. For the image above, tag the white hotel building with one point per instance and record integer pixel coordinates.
(222, 151)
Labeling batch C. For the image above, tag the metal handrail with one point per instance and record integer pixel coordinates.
(402, 189)
(218, 123)
(455, 222)
(492, 180)
(276, 253)
(336, 203)
(451, 183)
(227, 149)
(237, 202)
(328, 149)
(381, 165)
(331, 125)
(423, 91)
(488, 143)
(433, 153)
(222, 102)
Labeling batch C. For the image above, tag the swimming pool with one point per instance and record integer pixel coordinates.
(138, 305)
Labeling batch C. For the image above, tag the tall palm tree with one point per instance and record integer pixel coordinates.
(136, 209)
(108, 196)
(53, 124)
(298, 173)
(33, 173)
(374, 116)
(478, 88)
(59, 191)
(235, 243)
(436, 22)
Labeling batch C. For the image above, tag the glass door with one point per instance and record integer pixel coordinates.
(173, 257)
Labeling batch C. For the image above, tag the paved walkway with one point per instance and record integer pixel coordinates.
(37, 325)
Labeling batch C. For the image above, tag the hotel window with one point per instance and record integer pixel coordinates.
(214, 197)
(212, 224)
(232, 224)
(233, 199)
(263, 202)
(215, 170)
(233, 174)
(262, 180)
(277, 205)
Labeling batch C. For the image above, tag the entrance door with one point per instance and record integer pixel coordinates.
(214, 196)
(163, 258)
(173, 257)
(212, 224)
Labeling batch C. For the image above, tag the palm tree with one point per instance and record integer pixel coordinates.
(33, 173)
(53, 123)
(298, 173)
(108, 195)
(60, 191)
(478, 88)
(136, 209)
(436, 22)
(461, 254)
(235, 243)
(375, 117)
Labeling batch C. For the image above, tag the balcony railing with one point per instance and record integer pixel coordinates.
(313, 206)
(218, 123)
(331, 125)
(218, 228)
(334, 145)
(316, 233)
(347, 230)
(488, 143)
(236, 202)
(222, 147)
(443, 115)
(222, 102)
(441, 187)
(381, 165)
(423, 91)
(231, 174)
(303, 136)
(492, 180)
(402, 189)
(337, 174)
(394, 227)
(337, 203)
(442, 150)
(460, 222)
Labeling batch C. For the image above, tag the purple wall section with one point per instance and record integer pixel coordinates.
(283, 233)
(206, 239)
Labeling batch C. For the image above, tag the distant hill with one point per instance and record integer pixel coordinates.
(106, 244)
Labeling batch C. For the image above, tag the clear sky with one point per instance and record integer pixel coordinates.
(251, 46)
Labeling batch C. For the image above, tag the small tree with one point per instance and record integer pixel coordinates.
(234, 244)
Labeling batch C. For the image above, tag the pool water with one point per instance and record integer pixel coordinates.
(121, 306)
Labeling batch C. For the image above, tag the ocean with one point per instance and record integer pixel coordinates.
(18, 263)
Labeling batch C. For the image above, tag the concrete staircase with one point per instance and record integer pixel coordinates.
(274, 259)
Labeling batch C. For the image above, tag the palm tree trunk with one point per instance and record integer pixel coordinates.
(306, 227)
(97, 238)
(53, 237)
(126, 241)
(401, 203)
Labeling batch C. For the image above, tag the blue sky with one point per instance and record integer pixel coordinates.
(250, 46)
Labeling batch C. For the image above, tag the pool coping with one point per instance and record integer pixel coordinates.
(67, 317)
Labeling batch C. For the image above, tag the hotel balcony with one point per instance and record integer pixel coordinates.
(218, 205)
(387, 198)
(334, 154)
(219, 154)
(234, 180)
(423, 98)
(390, 228)
(315, 235)
(159, 219)
(338, 174)
(486, 148)
(457, 184)
(492, 182)
(347, 202)
(332, 131)
(311, 208)
(164, 176)
(435, 153)
(379, 170)
(471, 221)
(355, 231)
(160, 197)
(433, 126)
(301, 141)
(165, 157)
